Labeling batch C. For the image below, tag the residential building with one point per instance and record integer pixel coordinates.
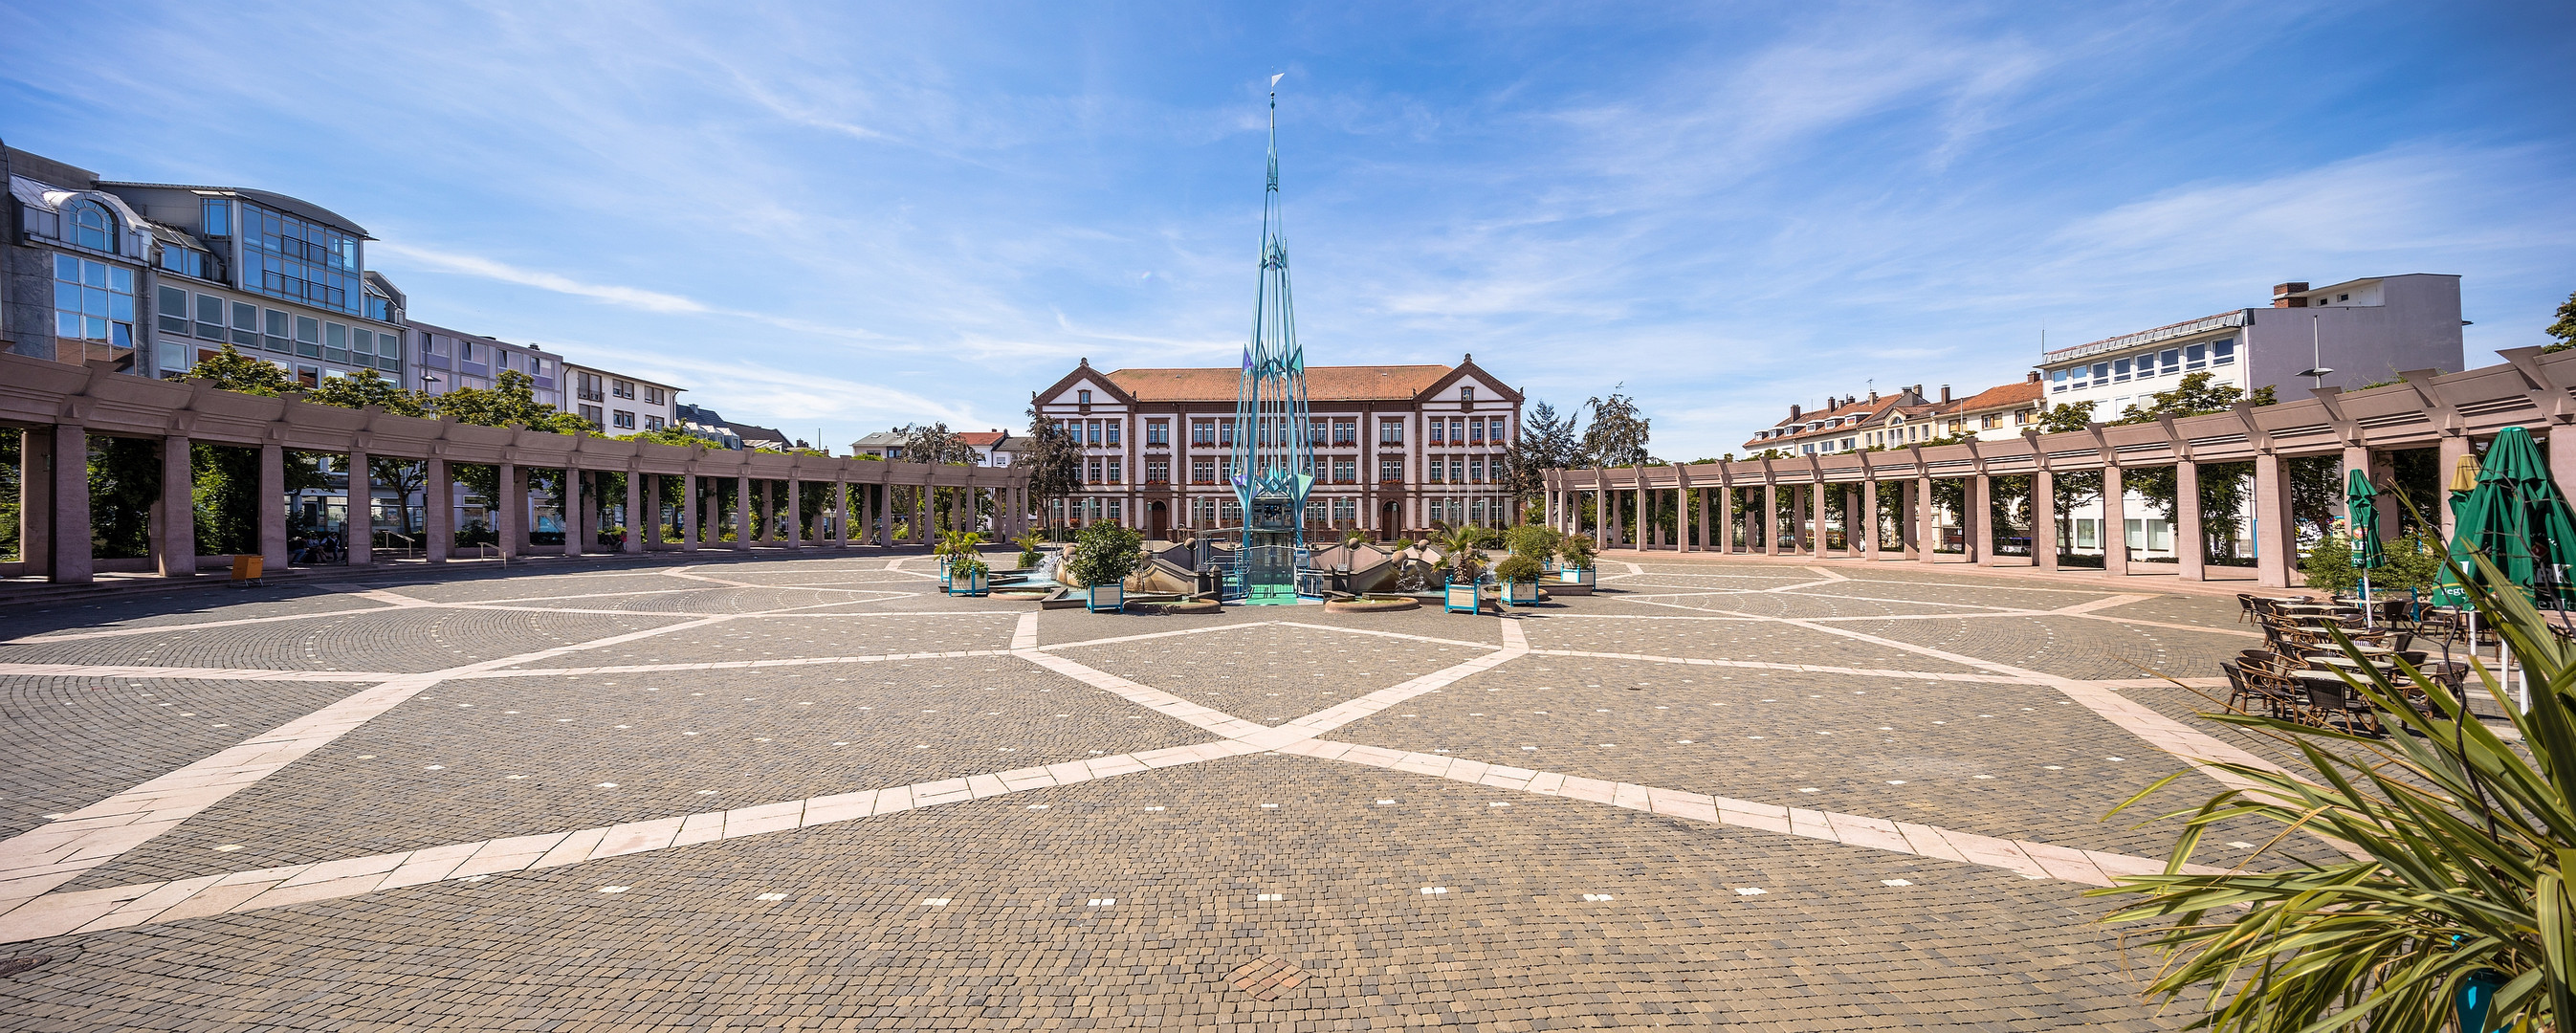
(991, 447)
(1396, 448)
(703, 420)
(1997, 412)
(1850, 424)
(2359, 331)
(452, 359)
(620, 403)
(156, 276)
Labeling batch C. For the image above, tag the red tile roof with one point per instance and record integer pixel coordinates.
(1323, 383)
(983, 438)
(2010, 396)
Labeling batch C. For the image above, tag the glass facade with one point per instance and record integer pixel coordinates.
(93, 301)
(299, 260)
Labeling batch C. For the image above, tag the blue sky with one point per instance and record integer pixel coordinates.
(838, 218)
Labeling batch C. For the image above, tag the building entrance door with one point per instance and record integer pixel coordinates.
(1158, 521)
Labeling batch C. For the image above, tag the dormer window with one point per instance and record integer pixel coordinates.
(1466, 394)
(89, 225)
(1082, 397)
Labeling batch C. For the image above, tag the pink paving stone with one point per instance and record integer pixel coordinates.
(1992, 852)
(823, 810)
(493, 864)
(1631, 796)
(702, 827)
(575, 848)
(58, 914)
(898, 798)
(1069, 772)
(213, 900)
(1929, 842)
(1465, 770)
(283, 895)
(1763, 820)
(2065, 863)
(1549, 782)
(1684, 805)
(768, 817)
(636, 836)
(1592, 789)
(982, 786)
(1811, 824)
(2115, 865)
(344, 868)
(1875, 833)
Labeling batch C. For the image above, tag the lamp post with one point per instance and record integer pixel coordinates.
(2317, 368)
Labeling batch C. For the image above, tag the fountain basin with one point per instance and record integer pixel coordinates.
(1373, 604)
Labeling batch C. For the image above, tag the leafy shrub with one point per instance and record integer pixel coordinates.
(1517, 567)
(1536, 541)
(1576, 551)
(1105, 553)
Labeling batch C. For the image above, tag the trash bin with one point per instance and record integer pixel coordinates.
(247, 568)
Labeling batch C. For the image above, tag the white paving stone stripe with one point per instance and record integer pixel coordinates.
(726, 665)
(34, 862)
(1765, 665)
(196, 673)
(2024, 857)
(156, 902)
(165, 629)
(1374, 633)
(1146, 696)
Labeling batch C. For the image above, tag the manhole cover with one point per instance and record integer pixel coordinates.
(13, 966)
(1266, 977)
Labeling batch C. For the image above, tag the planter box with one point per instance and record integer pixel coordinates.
(1110, 598)
(1571, 576)
(1520, 593)
(1458, 598)
(976, 582)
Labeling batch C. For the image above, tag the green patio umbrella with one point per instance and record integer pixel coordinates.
(2517, 518)
(2361, 524)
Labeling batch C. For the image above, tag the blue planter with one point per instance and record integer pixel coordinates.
(976, 582)
(2476, 997)
(943, 572)
(1520, 593)
(1106, 598)
(1573, 575)
(1460, 598)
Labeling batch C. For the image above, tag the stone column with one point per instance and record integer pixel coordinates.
(579, 520)
(2562, 470)
(2115, 524)
(362, 508)
(1927, 533)
(35, 499)
(1869, 543)
(175, 523)
(510, 511)
(1770, 519)
(689, 522)
(840, 513)
(2187, 543)
(272, 507)
(68, 547)
(2454, 448)
(741, 514)
(2275, 540)
(637, 520)
(793, 513)
(1908, 526)
(1855, 533)
(2043, 521)
(437, 510)
(1977, 525)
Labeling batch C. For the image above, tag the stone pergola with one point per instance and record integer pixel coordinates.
(2424, 410)
(58, 407)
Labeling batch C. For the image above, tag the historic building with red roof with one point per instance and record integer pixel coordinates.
(1397, 448)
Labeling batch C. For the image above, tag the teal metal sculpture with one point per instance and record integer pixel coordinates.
(1274, 460)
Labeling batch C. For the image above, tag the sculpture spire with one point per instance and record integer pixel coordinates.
(1273, 455)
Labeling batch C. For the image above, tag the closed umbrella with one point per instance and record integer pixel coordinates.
(2517, 518)
(2361, 523)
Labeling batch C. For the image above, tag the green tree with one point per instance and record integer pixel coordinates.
(231, 370)
(2564, 330)
(511, 400)
(1053, 461)
(2067, 418)
(1617, 435)
(368, 388)
(1547, 442)
(2194, 397)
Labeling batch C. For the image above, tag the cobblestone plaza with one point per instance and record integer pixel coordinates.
(818, 794)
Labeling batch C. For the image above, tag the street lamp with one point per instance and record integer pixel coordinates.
(2317, 367)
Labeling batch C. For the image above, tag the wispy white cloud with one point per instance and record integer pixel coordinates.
(471, 265)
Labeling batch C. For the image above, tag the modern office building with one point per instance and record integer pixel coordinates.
(2356, 332)
(620, 403)
(1396, 448)
(155, 276)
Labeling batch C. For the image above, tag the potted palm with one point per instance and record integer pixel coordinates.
(952, 545)
(968, 574)
(1104, 554)
(2449, 900)
(1462, 566)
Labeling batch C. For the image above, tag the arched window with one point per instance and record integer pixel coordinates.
(91, 226)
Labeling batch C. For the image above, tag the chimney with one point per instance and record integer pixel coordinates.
(1793, 410)
(2281, 295)
(2033, 378)
(1945, 394)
